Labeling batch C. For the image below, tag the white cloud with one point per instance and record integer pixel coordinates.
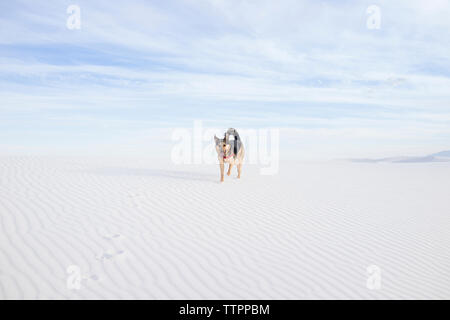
(287, 56)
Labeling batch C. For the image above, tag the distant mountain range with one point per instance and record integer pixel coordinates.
(443, 156)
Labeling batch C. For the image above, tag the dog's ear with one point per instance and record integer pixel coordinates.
(216, 139)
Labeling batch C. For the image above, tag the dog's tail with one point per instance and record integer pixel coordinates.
(237, 139)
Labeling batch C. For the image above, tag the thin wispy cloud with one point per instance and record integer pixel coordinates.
(312, 68)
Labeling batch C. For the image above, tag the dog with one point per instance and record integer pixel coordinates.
(231, 152)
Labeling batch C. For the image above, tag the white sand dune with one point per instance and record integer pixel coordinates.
(146, 230)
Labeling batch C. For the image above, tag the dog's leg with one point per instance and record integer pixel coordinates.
(221, 171)
(239, 167)
(229, 169)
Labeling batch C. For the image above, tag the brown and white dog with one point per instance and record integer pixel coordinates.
(231, 152)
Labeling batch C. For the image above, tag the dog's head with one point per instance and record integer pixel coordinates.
(222, 145)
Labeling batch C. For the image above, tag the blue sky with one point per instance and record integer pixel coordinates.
(138, 69)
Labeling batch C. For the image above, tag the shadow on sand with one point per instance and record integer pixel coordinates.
(173, 174)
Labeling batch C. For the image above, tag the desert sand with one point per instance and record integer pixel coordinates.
(145, 229)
